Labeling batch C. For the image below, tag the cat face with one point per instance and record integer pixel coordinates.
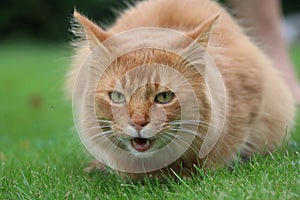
(142, 94)
(140, 102)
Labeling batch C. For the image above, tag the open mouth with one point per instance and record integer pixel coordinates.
(141, 144)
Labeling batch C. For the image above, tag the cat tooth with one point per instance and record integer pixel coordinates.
(147, 144)
(134, 143)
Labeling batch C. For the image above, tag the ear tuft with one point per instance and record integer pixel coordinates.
(202, 32)
(93, 33)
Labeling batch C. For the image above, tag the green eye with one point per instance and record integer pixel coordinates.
(164, 97)
(117, 97)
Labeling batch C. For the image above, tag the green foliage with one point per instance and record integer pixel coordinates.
(41, 156)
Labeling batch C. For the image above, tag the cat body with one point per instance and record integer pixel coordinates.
(258, 107)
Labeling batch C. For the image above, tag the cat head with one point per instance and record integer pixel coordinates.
(149, 90)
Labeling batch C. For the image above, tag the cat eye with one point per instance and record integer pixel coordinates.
(164, 97)
(117, 97)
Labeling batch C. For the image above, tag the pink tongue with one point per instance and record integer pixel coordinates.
(140, 144)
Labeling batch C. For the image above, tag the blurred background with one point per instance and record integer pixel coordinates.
(48, 20)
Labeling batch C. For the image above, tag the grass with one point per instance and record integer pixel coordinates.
(41, 156)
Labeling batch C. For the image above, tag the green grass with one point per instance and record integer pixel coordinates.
(41, 156)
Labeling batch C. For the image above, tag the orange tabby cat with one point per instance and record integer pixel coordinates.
(146, 100)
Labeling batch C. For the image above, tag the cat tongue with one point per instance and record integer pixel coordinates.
(140, 144)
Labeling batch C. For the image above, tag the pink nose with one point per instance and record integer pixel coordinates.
(138, 127)
(139, 121)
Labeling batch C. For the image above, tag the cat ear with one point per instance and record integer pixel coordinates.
(93, 33)
(202, 32)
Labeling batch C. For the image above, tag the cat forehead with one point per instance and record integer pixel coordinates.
(148, 37)
(148, 77)
(149, 65)
(144, 66)
(147, 56)
(143, 69)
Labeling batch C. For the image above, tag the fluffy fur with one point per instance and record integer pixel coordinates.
(259, 107)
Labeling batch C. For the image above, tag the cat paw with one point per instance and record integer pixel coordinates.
(94, 166)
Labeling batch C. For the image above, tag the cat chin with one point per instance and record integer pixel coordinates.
(139, 154)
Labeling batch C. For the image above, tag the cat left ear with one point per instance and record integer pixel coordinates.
(93, 33)
(202, 32)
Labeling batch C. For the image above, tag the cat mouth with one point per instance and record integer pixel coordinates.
(141, 144)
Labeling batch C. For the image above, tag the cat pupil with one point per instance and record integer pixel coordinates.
(165, 95)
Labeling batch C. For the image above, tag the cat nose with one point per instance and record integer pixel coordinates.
(139, 124)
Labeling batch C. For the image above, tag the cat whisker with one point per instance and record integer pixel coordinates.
(184, 130)
(115, 142)
(186, 120)
(104, 120)
(208, 140)
(166, 139)
(189, 123)
(207, 125)
(98, 135)
(182, 139)
(101, 138)
(198, 135)
(95, 119)
(100, 126)
(163, 139)
(96, 127)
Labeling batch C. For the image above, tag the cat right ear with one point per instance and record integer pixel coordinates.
(201, 34)
(93, 33)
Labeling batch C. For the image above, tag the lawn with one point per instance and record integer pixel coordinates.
(41, 156)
